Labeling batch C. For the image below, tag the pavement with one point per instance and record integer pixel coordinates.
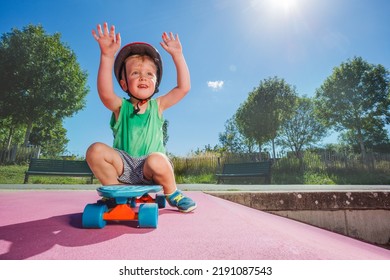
(43, 222)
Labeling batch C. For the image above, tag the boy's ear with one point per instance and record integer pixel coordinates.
(123, 85)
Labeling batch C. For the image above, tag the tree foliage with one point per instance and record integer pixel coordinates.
(51, 137)
(232, 141)
(41, 80)
(376, 139)
(303, 129)
(266, 108)
(355, 98)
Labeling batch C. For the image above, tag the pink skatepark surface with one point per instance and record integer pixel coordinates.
(46, 224)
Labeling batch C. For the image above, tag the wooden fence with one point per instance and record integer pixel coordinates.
(18, 154)
(196, 165)
(316, 161)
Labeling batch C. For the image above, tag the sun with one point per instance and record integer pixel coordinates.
(278, 7)
(277, 17)
(286, 7)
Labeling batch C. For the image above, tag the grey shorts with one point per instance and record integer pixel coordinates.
(133, 173)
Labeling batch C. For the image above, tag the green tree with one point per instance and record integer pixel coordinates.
(355, 97)
(51, 137)
(376, 139)
(267, 106)
(207, 150)
(303, 129)
(40, 79)
(233, 141)
(9, 133)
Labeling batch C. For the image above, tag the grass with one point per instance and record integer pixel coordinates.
(332, 178)
(196, 179)
(14, 174)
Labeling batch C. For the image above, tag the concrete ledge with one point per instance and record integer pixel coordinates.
(364, 215)
(332, 200)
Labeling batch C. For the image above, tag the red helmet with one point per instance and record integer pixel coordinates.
(138, 48)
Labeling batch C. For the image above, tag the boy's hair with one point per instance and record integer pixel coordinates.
(142, 57)
(142, 49)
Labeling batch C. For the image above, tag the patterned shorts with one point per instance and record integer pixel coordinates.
(133, 170)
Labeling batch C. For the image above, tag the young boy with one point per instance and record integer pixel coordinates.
(138, 155)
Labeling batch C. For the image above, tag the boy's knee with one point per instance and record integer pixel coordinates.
(158, 161)
(94, 151)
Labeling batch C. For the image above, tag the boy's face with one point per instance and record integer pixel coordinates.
(141, 76)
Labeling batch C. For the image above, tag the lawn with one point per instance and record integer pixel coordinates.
(14, 174)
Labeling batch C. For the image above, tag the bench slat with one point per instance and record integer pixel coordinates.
(77, 168)
(247, 169)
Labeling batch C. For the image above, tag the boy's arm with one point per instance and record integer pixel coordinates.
(109, 44)
(173, 46)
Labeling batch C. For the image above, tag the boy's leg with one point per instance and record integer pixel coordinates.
(158, 169)
(105, 163)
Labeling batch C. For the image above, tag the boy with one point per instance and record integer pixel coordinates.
(138, 155)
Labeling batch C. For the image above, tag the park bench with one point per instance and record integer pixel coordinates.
(246, 170)
(54, 167)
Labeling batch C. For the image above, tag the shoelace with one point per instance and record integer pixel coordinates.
(178, 198)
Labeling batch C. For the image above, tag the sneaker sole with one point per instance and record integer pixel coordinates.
(192, 208)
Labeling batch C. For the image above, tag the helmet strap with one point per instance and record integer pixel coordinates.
(140, 103)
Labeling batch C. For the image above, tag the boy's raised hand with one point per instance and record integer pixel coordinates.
(171, 44)
(109, 43)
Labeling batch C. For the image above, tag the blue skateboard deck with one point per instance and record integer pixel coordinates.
(128, 191)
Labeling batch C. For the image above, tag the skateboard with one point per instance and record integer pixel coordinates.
(119, 203)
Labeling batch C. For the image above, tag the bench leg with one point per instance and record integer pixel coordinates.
(25, 179)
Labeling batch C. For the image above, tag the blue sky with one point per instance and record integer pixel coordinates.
(230, 46)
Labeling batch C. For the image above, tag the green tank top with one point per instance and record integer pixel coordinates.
(138, 134)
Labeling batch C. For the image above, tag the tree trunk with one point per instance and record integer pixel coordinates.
(28, 132)
(362, 147)
(260, 152)
(273, 149)
(10, 135)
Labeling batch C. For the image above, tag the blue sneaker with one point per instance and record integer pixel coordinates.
(183, 203)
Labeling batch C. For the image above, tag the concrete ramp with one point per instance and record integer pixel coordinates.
(46, 224)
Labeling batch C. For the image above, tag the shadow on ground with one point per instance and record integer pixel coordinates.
(33, 238)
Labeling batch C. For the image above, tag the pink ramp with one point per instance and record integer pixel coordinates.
(47, 225)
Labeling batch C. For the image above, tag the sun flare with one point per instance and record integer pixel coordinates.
(276, 6)
(285, 5)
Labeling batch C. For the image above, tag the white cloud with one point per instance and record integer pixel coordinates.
(215, 85)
